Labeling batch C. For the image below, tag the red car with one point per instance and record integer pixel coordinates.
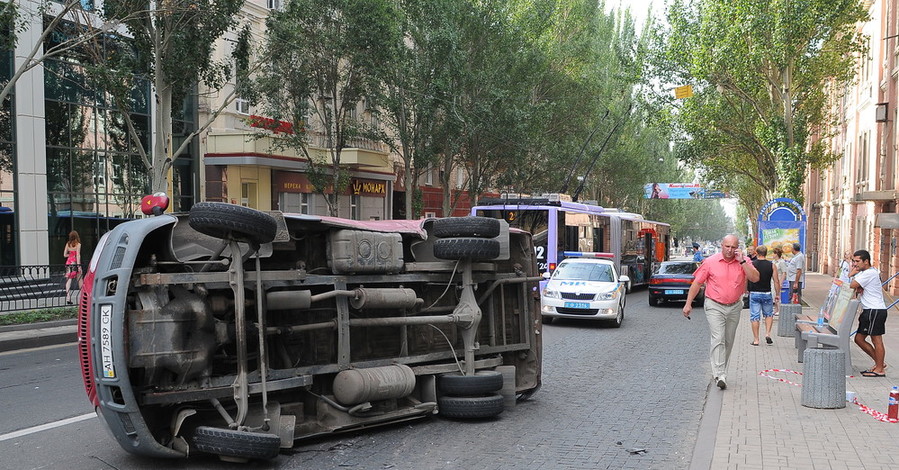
(671, 280)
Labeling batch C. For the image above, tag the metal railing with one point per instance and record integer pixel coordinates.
(34, 287)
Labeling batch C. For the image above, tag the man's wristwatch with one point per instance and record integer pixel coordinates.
(743, 262)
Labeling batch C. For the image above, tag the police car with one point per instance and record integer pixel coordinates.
(585, 286)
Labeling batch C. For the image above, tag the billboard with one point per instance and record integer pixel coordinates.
(680, 191)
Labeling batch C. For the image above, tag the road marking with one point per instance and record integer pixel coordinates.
(44, 427)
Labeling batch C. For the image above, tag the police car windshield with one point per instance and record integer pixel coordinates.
(584, 272)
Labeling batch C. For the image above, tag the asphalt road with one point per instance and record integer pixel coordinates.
(612, 398)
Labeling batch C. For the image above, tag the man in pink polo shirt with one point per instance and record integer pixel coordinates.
(724, 275)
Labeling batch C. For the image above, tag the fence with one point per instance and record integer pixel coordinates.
(33, 287)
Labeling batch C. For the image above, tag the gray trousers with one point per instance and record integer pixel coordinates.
(723, 321)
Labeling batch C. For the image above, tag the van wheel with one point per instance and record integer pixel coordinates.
(459, 248)
(232, 444)
(221, 220)
(486, 406)
(487, 381)
(480, 227)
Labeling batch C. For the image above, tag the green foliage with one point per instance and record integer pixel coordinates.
(324, 58)
(761, 73)
(36, 316)
(171, 45)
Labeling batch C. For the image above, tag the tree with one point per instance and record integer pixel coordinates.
(414, 95)
(326, 57)
(171, 44)
(488, 100)
(760, 71)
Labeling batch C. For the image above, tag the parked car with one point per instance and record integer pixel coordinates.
(236, 332)
(671, 280)
(585, 288)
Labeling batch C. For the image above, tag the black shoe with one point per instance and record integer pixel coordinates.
(768, 340)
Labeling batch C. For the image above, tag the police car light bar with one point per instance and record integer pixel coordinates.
(588, 254)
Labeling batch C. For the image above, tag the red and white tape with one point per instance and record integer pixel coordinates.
(864, 409)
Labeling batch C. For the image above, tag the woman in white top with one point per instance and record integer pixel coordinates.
(845, 266)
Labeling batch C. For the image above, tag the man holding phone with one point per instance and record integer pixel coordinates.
(724, 275)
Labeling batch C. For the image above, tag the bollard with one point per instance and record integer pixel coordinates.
(824, 378)
(786, 322)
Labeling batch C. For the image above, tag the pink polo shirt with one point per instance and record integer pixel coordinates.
(725, 281)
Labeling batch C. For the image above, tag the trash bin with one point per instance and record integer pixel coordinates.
(786, 320)
(824, 378)
(785, 293)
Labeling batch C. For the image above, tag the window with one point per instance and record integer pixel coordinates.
(429, 175)
(243, 106)
(295, 202)
(354, 206)
(275, 5)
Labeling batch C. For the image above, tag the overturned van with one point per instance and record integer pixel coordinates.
(235, 332)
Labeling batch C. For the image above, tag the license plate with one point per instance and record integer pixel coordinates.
(577, 305)
(673, 291)
(106, 341)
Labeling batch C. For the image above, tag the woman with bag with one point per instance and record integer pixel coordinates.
(72, 253)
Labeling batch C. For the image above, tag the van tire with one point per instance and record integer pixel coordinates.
(487, 381)
(239, 444)
(221, 220)
(460, 248)
(479, 227)
(486, 406)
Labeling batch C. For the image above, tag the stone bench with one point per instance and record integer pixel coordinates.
(834, 333)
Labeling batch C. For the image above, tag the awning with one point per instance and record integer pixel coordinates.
(887, 220)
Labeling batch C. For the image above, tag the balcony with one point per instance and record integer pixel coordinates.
(359, 153)
(875, 196)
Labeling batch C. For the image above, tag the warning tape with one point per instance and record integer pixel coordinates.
(764, 373)
(864, 409)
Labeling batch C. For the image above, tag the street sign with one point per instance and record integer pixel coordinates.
(682, 92)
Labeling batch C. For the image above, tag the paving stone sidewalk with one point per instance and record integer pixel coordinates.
(764, 426)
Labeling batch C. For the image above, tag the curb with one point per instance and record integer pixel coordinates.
(35, 335)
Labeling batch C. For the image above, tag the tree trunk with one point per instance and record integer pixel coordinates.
(787, 79)
(447, 203)
(162, 145)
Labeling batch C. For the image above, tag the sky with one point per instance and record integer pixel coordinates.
(638, 8)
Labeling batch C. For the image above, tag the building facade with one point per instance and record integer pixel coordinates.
(852, 203)
(67, 162)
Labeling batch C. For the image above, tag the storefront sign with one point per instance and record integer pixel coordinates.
(368, 187)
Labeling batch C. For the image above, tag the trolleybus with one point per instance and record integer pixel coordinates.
(560, 225)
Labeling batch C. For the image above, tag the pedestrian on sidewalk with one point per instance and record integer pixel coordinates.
(796, 274)
(72, 254)
(697, 253)
(781, 264)
(845, 266)
(761, 300)
(724, 275)
(872, 321)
